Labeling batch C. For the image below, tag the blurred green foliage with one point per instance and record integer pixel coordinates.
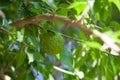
(21, 55)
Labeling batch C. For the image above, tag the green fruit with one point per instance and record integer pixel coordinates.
(51, 43)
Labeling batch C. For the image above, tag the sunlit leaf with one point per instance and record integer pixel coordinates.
(109, 70)
(19, 36)
(62, 12)
(22, 58)
(78, 6)
(116, 36)
(80, 74)
(30, 55)
(93, 45)
(1, 46)
(51, 77)
(116, 2)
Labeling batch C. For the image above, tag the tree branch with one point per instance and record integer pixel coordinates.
(35, 20)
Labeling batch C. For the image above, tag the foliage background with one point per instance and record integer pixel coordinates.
(21, 57)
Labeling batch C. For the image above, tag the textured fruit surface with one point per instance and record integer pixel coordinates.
(51, 43)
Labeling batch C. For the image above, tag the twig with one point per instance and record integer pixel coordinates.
(82, 16)
(62, 70)
(72, 38)
(2, 14)
(5, 31)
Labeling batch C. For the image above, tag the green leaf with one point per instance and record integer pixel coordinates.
(116, 2)
(82, 36)
(109, 74)
(29, 54)
(115, 63)
(24, 54)
(31, 34)
(116, 36)
(51, 3)
(21, 57)
(34, 41)
(1, 46)
(38, 57)
(5, 24)
(35, 7)
(115, 25)
(19, 36)
(51, 77)
(29, 76)
(78, 6)
(22, 74)
(93, 44)
(66, 58)
(62, 11)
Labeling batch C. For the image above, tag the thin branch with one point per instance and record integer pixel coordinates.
(5, 31)
(64, 71)
(2, 14)
(71, 38)
(82, 16)
(109, 42)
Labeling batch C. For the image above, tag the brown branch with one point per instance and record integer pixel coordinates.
(86, 30)
(35, 20)
(3, 30)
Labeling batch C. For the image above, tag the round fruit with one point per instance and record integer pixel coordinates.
(51, 43)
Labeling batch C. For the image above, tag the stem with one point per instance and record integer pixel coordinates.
(64, 71)
(71, 37)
